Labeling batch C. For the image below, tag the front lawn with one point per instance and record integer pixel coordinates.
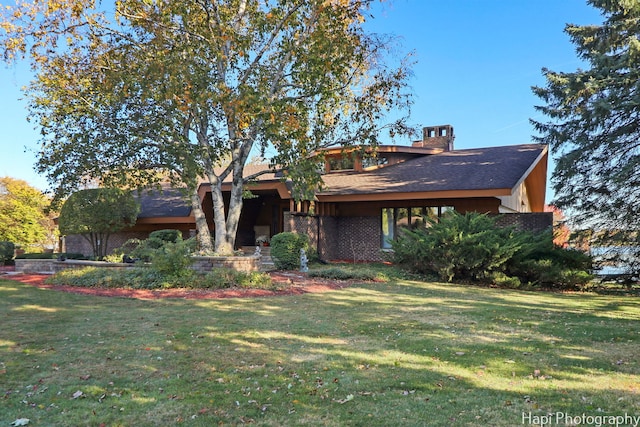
(379, 354)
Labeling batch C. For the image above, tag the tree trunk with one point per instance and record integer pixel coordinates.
(202, 228)
(223, 242)
(235, 204)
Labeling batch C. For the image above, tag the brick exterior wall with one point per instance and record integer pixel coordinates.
(535, 222)
(340, 238)
(323, 232)
(358, 238)
(329, 238)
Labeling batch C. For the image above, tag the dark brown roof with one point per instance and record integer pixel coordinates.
(479, 169)
(167, 202)
(459, 170)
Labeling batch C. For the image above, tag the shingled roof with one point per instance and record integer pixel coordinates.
(493, 171)
(490, 168)
(167, 202)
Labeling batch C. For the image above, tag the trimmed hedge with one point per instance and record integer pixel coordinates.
(285, 250)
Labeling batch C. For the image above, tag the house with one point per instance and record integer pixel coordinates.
(367, 196)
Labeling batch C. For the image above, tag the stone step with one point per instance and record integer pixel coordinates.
(266, 262)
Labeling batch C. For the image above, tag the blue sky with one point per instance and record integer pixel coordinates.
(476, 61)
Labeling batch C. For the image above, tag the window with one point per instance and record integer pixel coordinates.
(388, 227)
(370, 161)
(394, 219)
(341, 163)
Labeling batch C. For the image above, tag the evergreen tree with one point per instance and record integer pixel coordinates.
(594, 126)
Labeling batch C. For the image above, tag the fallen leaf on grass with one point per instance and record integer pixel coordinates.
(345, 400)
(77, 394)
(21, 422)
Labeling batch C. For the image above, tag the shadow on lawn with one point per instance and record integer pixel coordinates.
(403, 352)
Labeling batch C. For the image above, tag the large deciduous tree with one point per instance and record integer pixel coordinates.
(594, 125)
(97, 213)
(23, 220)
(127, 90)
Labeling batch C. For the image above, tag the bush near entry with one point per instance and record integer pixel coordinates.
(471, 247)
(285, 249)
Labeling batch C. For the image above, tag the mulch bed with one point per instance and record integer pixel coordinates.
(293, 283)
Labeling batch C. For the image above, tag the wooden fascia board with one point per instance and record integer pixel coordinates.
(535, 180)
(536, 184)
(542, 156)
(203, 189)
(450, 194)
(278, 186)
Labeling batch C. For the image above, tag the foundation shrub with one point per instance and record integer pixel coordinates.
(471, 247)
(459, 247)
(285, 249)
(165, 250)
(541, 263)
(173, 258)
(145, 249)
(159, 237)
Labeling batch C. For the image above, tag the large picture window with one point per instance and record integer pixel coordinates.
(394, 219)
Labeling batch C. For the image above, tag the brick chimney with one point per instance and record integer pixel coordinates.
(436, 137)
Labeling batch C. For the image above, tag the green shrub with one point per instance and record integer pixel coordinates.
(500, 279)
(472, 247)
(541, 263)
(113, 257)
(285, 250)
(460, 247)
(168, 235)
(223, 278)
(144, 249)
(7, 251)
(173, 258)
(149, 278)
(338, 273)
(96, 277)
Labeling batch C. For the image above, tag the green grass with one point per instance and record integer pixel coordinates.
(379, 354)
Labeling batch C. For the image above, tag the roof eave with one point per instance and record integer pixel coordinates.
(446, 194)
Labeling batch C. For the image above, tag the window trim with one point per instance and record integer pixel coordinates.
(392, 226)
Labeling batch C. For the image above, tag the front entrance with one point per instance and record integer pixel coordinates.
(261, 217)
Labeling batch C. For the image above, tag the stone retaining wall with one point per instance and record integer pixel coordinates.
(50, 266)
(248, 263)
(31, 266)
(75, 263)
